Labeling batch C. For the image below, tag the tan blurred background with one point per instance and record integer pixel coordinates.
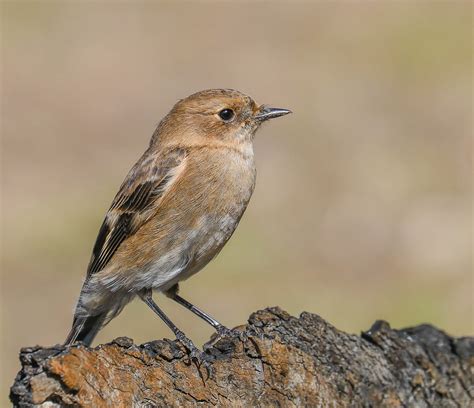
(363, 205)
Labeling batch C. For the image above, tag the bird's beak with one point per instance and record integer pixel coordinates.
(266, 112)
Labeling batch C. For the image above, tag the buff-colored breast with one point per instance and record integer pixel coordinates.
(195, 218)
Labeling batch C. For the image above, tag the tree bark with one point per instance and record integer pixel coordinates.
(276, 360)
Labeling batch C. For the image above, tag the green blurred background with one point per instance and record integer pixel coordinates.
(363, 204)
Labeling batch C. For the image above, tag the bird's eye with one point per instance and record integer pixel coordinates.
(226, 115)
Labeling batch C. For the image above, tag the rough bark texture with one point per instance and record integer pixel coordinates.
(277, 361)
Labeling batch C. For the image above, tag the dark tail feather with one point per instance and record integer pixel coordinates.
(84, 329)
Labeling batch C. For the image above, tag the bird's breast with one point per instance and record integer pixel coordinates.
(225, 181)
(225, 192)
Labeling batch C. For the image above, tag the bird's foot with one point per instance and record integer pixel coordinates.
(223, 331)
(193, 351)
(200, 358)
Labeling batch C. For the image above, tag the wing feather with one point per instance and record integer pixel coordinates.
(134, 204)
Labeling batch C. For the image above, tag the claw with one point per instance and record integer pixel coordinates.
(205, 361)
(230, 336)
(223, 331)
(200, 358)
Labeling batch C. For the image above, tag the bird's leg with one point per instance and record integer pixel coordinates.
(220, 329)
(146, 296)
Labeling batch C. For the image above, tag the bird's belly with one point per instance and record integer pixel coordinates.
(215, 234)
(197, 247)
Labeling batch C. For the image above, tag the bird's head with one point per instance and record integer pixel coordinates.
(223, 115)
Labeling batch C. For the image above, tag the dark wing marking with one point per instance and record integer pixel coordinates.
(102, 253)
(144, 195)
(139, 199)
(133, 205)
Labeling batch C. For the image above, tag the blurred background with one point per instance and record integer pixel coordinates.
(363, 204)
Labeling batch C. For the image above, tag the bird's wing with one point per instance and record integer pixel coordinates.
(133, 205)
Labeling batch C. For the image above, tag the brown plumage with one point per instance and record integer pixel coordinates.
(178, 206)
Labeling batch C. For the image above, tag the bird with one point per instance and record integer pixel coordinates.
(176, 209)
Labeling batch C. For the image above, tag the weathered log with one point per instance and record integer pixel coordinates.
(276, 361)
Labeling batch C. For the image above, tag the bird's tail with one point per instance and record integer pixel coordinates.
(84, 329)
